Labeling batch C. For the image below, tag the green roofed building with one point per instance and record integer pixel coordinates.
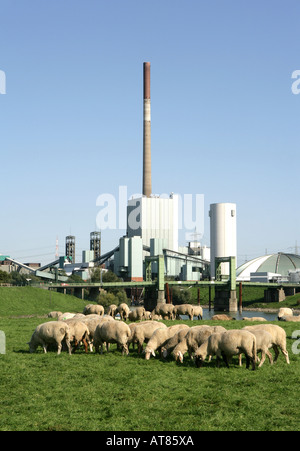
(274, 264)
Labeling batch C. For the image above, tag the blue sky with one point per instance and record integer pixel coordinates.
(225, 122)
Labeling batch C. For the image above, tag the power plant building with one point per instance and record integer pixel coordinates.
(223, 242)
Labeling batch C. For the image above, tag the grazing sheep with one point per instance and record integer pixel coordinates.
(165, 310)
(254, 318)
(123, 309)
(112, 310)
(222, 317)
(112, 332)
(174, 341)
(184, 309)
(95, 309)
(198, 311)
(65, 316)
(264, 341)
(54, 314)
(143, 332)
(198, 334)
(283, 311)
(79, 332)
(156, 317)
(137, 314)
(147, 315)
(160, 337)
(290, 318)
(194, 338)
(50, 332)
(227, 344)
(279, 338)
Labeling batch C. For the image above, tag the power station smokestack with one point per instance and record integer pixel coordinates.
(147, 188)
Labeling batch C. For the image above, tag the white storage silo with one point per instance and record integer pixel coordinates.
(222, 234)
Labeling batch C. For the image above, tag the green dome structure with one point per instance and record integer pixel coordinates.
(280, 263)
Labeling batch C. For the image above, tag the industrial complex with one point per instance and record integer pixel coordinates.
(151, 245)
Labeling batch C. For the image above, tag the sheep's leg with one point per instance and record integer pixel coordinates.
(69, 346)
(225, 359)
(85, 345)
(286, 355)
(247, 361)
(276, 352)
(240, 359)
(263, 358)
(59, 346)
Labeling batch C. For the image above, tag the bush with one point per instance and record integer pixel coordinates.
(181, 296)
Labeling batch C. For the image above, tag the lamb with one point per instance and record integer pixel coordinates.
(137, 314)
(160, 337)
(227, 344)
(198, 311)
(143, 332)
(123, 309)
(112, 332)
(254, 318)
(165, 310)
(174, 341)
(279, 338)
(54, 314)
(184, 309)
(79, 332)
(284, 311)
(95, 309)
(50, 332)
(112, 310)
(264, 341)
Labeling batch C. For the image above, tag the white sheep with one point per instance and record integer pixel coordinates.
(193, 339)
(54, 314)
(79, 332)
(112, 310)
(112, 332)
(165, 310)
(49, 333)
(184, 309)
(66, 315)
(284, 311)
(198, 311)
(279, 338)
(137, 314)
(174, 341)
(123, 309)
(143, 332)
(254, 318)
(160, 337)
(290, 318)
(95, 309)
(264, 341)
(227, 344)
(198, 334)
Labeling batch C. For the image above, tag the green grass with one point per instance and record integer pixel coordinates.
(111, 392)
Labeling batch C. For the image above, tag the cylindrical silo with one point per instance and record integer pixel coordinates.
(222, 234)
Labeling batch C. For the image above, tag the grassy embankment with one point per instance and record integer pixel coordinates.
(110, 392)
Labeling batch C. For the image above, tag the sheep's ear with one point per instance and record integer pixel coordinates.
(153, 353)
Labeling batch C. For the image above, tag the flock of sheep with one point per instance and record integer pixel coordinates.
(95, 329)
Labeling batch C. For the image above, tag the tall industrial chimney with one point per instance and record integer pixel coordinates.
(147, 188)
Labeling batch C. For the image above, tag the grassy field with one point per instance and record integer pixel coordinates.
(111, 392)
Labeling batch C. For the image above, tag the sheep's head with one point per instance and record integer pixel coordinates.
(179, 357)
(148, 352)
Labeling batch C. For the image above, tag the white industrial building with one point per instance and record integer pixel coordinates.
(154, 217)
(223, 242)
